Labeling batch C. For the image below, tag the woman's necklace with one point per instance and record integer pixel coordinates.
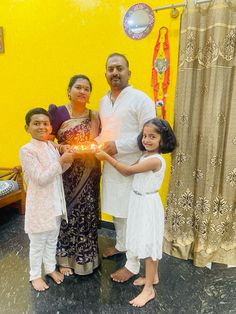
(77, 114)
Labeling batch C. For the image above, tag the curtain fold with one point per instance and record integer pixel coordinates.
(201, 203)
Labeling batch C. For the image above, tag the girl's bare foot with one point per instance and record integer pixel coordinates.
(57, 277)
(145, 296)
(142, 280)
(39, 284)
(66, 271)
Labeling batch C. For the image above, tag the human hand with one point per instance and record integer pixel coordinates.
(66, 158)
(110, 148)
(100, 154)
(65, 148)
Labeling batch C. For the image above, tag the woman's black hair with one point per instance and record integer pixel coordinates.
(34, 111)
(74, 78)
(168, 140)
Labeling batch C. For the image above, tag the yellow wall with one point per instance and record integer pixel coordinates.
(46, 42)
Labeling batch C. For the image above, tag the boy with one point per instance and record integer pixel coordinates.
(45, 203)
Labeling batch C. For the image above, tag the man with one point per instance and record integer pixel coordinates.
(123, 111)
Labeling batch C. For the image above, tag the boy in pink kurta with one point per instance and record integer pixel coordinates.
(45, 202)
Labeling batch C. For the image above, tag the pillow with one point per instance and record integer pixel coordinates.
(8, 186)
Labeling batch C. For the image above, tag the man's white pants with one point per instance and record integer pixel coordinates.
(43, 251)
(132, 263)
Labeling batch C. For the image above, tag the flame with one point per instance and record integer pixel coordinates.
(87, 147)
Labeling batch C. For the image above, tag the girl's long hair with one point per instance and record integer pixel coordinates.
(168, 140)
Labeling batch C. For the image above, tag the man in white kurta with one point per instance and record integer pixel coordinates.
(123, 111)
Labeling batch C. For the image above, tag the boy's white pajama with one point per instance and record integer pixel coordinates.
(43, 251)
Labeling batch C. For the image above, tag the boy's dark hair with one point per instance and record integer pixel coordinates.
(117, 54)
(168, 140)
(74, 78)
(34, 111)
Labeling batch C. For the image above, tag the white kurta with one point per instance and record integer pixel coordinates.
(122, 122)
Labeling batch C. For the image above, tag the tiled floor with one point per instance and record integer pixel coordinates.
(183, 288)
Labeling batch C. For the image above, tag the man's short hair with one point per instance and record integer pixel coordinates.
(117, 54)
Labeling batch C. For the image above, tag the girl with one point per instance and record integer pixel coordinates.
(145, 223)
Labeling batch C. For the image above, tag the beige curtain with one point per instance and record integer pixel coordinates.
(201, 204)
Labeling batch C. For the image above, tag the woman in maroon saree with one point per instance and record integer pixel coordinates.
(73, 124)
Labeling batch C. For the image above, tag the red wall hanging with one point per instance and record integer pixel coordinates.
(161, 70)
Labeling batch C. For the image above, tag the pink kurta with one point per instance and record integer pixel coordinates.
(40, 173)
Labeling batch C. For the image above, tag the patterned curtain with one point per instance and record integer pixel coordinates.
(201, 203)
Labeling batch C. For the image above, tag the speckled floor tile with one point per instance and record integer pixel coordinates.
(183, 288)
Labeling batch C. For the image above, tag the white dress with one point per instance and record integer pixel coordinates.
(145, 224)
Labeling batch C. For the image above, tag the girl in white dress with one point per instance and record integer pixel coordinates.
(145, 223)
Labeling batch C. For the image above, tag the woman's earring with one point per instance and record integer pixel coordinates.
(69, 96)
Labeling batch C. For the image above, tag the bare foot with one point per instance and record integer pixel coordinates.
(39, 284)
(122, 275)
(145, 296)
(57, 277)
(142, 280)
(111, 251)
(66, 271)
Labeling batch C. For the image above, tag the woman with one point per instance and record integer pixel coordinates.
(73, 124)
